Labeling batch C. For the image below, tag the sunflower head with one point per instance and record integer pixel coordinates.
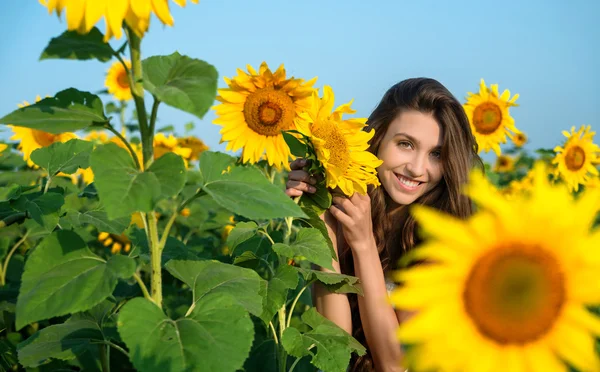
(489, 116)
(510, 278)
(196, 145)
(575, 160)
(115, 242)
(341, 144)
(519, 139)
(504, 164)
(117, 81)
(164, 144)
(254, 110)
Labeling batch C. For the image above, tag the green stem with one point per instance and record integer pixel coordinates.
(165, 235)
(274, 333)
(104, 357)
(126, 143)
(143, 287)
(294, 365)
(288, 224)
(8, 256)
(153, 114)
(191, 199)
(282, 352)
(47, 184)
(122, 115)
(155, 258)
(267, 235)
(12, 219)
(289, 319)
(114, 346)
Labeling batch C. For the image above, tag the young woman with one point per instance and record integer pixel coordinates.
(423, 137)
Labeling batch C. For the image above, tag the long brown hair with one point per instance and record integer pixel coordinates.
(398, 234)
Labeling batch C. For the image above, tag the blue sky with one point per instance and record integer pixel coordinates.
(547, 51)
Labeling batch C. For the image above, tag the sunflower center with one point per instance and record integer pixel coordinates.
(268, 111)
(514, 294)
(503, 162)
(487, 117)
(43, 138)
(335, 142)
(123, 80)
(575, 158)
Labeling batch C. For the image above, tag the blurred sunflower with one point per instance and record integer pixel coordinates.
(519, 186)
(164, 144)
(341, 145)
(225, 233)
(256, 107)
(33, 139)
(82, 15)
(510, 278)
(195, 144)
(185, 212)
(116, 242)
(504, 164)
(576, 158)
(3, 146)
(519, 139)
(117, 81)
(489, 116)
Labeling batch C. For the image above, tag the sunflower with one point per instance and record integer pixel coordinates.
(3, 146)
(519, 186)
(117, 81)
(341, 145)
(489, 116)
(195, 144)
(33, 139)
(576, 158)
(117, 242)
(504, 164)
(519, 139)
(82, 15)
(164, 144)
(225, 234)
(509, 279)
(256, 108)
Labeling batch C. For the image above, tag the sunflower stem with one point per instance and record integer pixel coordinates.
(143, 287)
(282, 353)
(126, 143)
(47, 184)
(154, 114)
(155, 260)
(8, 256)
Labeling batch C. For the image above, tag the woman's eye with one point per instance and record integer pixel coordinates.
(405, 144)
(436, 154)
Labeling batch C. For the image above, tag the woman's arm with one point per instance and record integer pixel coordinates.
(333, 306)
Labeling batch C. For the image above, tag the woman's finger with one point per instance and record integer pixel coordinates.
(302, 186)
(299, 163)
(345, 204)
(301, 175)
(293, 192)
(339, 215)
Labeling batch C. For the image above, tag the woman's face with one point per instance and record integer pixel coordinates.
(410, 151)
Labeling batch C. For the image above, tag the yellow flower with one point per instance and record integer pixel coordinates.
(489, 116)
(575, 159)
(593, 183)
(185, 212)
(116, 242)
(519, 139)
(117, 81)
(82, 15)
(256, 108)
(164, 144)
(195, 144)
(96, 137)
(33, 139)
(341, 145)
(3, 146)
(225, 233)
(519, 186)
(504, 164)
(507, 289)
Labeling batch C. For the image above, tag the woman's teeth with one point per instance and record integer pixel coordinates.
(409, 183)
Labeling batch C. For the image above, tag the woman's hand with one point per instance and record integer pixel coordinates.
(299, 181)
(354, 214)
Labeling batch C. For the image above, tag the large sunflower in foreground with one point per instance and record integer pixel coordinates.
(256, 107)
(117, 81)
(576, 159)
(33, 139)
(82, 15)
(507, 289)
(341, 145)
(489, 116)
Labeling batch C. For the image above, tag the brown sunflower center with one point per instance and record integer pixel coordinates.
(575, 158)
(43, 138)
(339, 154)
(514, 294)
(503, 162)
(122, 79)
(487, 117)
(268, 111)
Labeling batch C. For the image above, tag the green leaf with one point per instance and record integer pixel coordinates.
(246, 191)
(13, 191)
(63, 157)
(333, 344)
(61, 341)
(309, 244)
(216, 336)
(99, 219)
(42, 209)
(240, 233)
(69, 110)
(277, 289)
(63, 276)
(297, 148)
(73, 45)
(122, 188)
(213, 165)
(313, 211)
(185, 83)
(337, 283)
(209, 278)
(170, 172)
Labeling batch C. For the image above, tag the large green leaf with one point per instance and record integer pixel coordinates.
(185, 83)
(97, 218)
(73, 45)
(42, 208)
(213, 165)
(309, 244)
(333, 344)
(69, 110)
(277, 289)
(314, 212)
(338, 283)
(63, 157)
(245, 190)
(122, 188)
(216, 336)
(63, 276)
(60, 341)
(209, 278)
(241, 233)
(170, 172)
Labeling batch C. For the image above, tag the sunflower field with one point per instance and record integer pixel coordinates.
(128, 247)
